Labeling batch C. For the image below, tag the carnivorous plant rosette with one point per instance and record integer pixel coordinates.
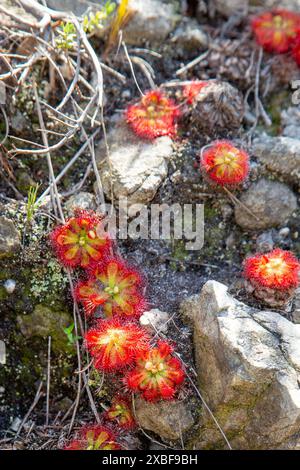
(114, 286)
(273, 276)
(114, 344)
(120, 411)
(276, 30)
(225, 164)
(191, 90)
(155, 115)
(78, 243)
(157, 374)
(94, 437)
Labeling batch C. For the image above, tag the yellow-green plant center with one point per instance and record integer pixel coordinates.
(82, 240)
(276, 266)
(112, 290)
(113, 337)
(226, 158)
(153, 367)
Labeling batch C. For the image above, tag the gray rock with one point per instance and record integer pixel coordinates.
(188, 307)
(290, 121)
(9, 285)
(230, 241)
(152, 21)
(280, 155)
(272, 202)
(9, 238)
(19, 122)
(295, 314)
(265, 242)
(190, 36)
(138, 166)
(226, 210)
(231, 7)
(168, 419)
(15, 424)
(82, 200)
(78, 7)
(248, 365)
(284, 232)
(155, 320)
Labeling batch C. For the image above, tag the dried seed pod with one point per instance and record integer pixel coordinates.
(231, 60)
(217, 109)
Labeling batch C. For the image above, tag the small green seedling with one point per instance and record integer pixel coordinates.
(94, 21)
(32, 204)
(66, 36)
(69, 333)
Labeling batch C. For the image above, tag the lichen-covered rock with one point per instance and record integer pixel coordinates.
(168, 419)
(219, 107)
(272, 202)
(44, 322)
(248, 365)
(138, 167)
(10, 241)
(152, 21)
(280, 155)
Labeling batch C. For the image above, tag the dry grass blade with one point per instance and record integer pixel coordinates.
(48, 380)
(33, 405)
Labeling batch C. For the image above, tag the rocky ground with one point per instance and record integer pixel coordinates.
(242, 360)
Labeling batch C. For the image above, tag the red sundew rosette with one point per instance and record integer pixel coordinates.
(77, 243)
(114, 344)
(192, 90)
(157, 374)
(276, 30)
(153, 116)
(277, 270)
(114, 286)
(273, 276)
(94, 437)
(224, 164)
(120, 411)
